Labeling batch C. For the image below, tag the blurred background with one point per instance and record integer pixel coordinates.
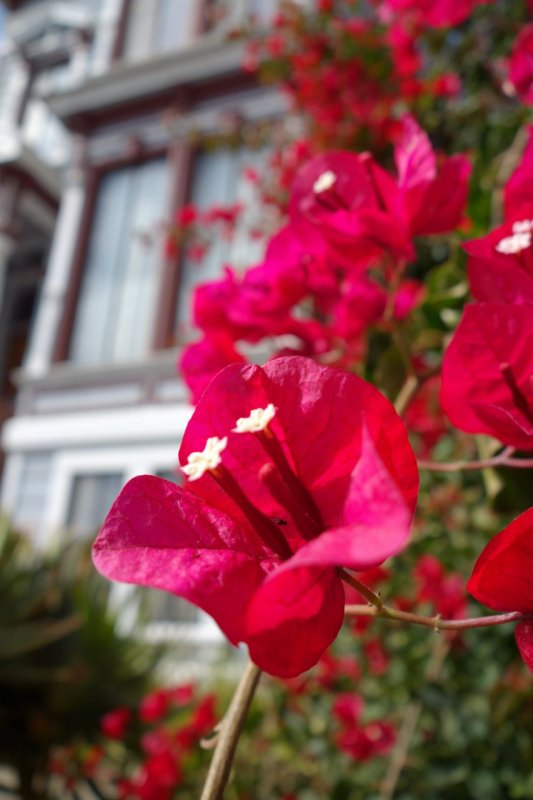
(119, 120)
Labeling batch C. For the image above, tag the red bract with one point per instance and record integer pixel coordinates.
(305, 469)
(500, 265)
(347, 708)
(115, 723)
(518, 190)
(425, 416)
(154, 706)
(444, 591)
(502, 578)
(435, 13)
(521, 64)
(487, 373)
(348, 197)
(369, 741)
(201, 361)
(433, 191)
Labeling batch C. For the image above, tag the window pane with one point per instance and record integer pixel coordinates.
(139, 29)
(159, 26)
(90, 500)
(174, 24)
(32, 493)
(118, 293)
(165, 607)
(218, 179)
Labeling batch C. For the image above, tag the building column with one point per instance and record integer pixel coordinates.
(7, 246)
(58, 273)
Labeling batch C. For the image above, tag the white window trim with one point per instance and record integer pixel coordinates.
(131, 461)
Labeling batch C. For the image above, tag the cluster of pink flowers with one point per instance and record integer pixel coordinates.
(294, 470)
(166, 727)
(193, 229)
(487, 381)
(327, 275)
(299, 472)
(361, 741)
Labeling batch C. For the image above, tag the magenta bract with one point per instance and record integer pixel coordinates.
(500, 265)
(487, 373)
(331, 482)
(502, 578)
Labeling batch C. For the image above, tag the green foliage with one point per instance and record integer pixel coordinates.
(62, 661)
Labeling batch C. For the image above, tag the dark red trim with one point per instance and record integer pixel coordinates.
(165, 325)
(86, 122)
(62, 342)
(136, 154)
(120, 37)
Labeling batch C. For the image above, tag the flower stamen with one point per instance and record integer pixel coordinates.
(518, 241)
(324, 182)
(257, 420)
(198, 463)
(265, 528)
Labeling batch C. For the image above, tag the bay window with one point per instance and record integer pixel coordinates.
(116, 306)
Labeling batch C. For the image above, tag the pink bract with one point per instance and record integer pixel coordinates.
(521, 64)
(353, 213)
(356, 473)
(502, 578)
(433, 190)
(436, 13)
(487, 373)
(500, 265)
(201, 361)
(518, 190)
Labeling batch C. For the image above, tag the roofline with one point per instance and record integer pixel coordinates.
(127, 83)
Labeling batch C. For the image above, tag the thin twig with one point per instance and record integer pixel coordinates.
(373, 598)
(435, 623)
(406, 394)
(501, 460)
(409, 724)
(232, 724)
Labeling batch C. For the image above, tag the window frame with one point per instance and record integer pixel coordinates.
(131, 461)
(94, 176)
(199, 28)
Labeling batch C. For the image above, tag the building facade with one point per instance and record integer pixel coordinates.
(120, 99)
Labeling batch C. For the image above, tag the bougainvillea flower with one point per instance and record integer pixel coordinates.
(487, 371)
(433, 191)
(294, 470)
(435, 13)
(299, 255)
(115, 723)
(425, 416)
(500, 265)
(521, 64)
(518, 190)
(502, 578)
(199, 362)
(362, 302)
(347, 196)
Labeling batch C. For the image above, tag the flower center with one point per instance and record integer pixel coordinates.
(326, 194)
(277, 475)
(324, 182)
(208, 459)
(519, 240)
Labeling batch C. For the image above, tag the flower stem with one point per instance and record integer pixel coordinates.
(436, 623)
(373, 598)
(406, 394)
(230, 730)
(503, 459)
